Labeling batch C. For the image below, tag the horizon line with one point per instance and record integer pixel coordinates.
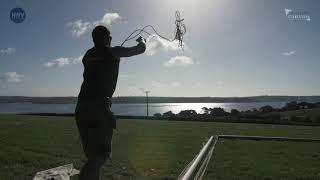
(172, 96)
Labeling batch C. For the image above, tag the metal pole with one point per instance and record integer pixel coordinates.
(257, 138)
(147, 93)
(147, 106)
(188, 175)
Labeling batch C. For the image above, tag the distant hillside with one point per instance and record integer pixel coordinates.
(142, 99)
(216, 99)
(38, 100)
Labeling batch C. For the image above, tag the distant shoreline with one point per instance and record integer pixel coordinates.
(293, 113)
(142, 99)
(151, 118)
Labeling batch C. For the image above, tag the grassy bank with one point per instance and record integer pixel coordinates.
(158, 149)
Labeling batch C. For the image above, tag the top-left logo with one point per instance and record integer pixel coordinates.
(17, 15)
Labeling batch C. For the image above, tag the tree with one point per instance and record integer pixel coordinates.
(205, 110)
(291, 106)
(266, 109)
(305, 105)
(217, 111)
(157, 115)
(168, 114)
(187, 114)
(234, 112)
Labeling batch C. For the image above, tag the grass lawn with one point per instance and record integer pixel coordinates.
(312, 113)
(158, 149)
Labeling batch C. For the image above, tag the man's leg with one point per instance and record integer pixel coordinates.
(97, 147)
(91, 169)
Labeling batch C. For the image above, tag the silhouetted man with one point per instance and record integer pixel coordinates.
(94, 119)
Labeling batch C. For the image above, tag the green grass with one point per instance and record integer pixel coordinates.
(313, 113)
(158, 149)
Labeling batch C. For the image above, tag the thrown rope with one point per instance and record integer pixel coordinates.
(179, 32)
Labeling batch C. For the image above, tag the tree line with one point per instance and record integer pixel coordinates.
(265, 114)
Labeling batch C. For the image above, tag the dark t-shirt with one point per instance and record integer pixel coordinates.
(101, 68)
(100, 75)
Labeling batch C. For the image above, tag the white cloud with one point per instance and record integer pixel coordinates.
(133, 90)
(158, 84)
(287, 11)
(124, 76)
(63, 61)
(11, 77)
(7, 51)
(198, 84)
(76, 60)
(181, 61)
(155, 44)
(79, 27)
(109, 18)
(175, 84)
(289, 53)
(59, 62)
(219, 84)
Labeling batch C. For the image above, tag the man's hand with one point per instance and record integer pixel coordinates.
(141, 40)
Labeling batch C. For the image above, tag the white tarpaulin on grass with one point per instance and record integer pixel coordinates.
(59, 173)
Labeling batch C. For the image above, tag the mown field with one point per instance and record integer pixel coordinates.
(158, 149)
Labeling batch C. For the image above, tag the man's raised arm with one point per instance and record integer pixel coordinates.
(119, 51)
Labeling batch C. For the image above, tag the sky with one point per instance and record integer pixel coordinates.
(231, 47)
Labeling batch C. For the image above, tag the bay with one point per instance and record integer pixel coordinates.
(139, 109)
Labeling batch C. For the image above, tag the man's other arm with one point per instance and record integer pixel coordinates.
(119, 51)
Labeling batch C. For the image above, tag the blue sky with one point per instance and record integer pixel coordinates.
(233, 47)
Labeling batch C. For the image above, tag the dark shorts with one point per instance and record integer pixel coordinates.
(95, 123)
(96, 142)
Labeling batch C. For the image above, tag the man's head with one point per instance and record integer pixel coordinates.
(101, 36)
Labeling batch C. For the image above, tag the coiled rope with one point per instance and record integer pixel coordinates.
(179, 32)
